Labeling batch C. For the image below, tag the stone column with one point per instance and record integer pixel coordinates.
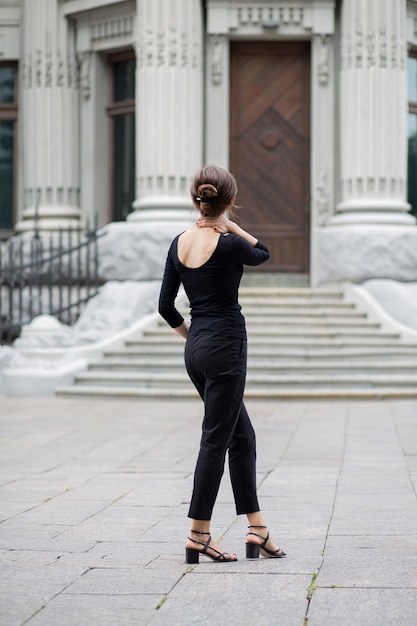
(371, 235)
(373, 105)
(169, 107)
(49, 119)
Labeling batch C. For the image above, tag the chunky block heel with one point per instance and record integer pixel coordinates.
(252, 551)
(191, 556)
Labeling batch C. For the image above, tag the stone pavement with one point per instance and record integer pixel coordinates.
(94, 497)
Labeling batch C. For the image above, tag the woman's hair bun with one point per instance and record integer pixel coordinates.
(213, 190)
(207, 191)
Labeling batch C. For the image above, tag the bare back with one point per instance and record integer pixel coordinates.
(196, 246)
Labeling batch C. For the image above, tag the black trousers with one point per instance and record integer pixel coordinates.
(217, 367)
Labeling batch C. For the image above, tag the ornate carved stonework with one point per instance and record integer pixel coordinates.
(216, 45)
(368, 42)
(112, 28)
(38, 68)
(322, 198)
(323, 63)
(370, 48)
(289, 17)
(71, 71)
(167, 49)
(44, 69)
(48, 70)
(84, 60)
(60, 74)
(394, 50)
(382, 47)
(172, 48)
(358, 48)
(267, 15)
(161, 51)
(148, 49)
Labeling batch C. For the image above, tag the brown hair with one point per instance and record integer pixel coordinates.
(213, 190)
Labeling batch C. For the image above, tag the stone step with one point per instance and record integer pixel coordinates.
(296, 332)
(286, 393)
(265, 313)
(297, 293)
(157, 379)
(305, 365)
(347, 352)
(302, 303)
(252, 321)
(256, 279)
(291, 313)
(302, 341)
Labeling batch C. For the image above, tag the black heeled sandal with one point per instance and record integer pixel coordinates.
(192, 555)
(253, 549)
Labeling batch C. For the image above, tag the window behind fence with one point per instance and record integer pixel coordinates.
(412, 132)
(121, 111)
(8, 143)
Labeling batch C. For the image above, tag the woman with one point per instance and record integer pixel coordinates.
(208, 259)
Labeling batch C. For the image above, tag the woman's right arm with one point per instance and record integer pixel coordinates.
(251, 251)
(223, 225)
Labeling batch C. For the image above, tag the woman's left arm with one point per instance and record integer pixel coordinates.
(182, 330)
(169, 290)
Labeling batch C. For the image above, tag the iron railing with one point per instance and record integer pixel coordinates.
(56, 275)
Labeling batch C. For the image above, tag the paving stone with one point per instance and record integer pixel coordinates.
(24, 589)
(123, 610)
(16, 609)
(42, 537)
(262, 599)
(370, 561)
(97, 507)
(363, 607)
(145, 580)
(54, 512)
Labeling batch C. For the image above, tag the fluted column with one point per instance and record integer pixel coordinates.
(373, 105)
(169, 107)
(49, 118)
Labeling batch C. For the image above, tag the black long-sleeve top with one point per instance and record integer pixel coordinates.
(212, 288)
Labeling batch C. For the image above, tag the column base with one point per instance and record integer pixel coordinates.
(162, 210)
(49, 218)
(373, 211)
(360, 252)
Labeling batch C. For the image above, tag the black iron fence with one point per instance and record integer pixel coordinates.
(56, 275)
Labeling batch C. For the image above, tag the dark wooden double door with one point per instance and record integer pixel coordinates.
(270, 147)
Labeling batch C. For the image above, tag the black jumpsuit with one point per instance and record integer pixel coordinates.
(215, 358)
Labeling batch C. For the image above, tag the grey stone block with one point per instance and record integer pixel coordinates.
(363, 607)
(252, 598)
(107, 533)
(25, 588)
(123, 610)
(359, 253)
(370, 561)
(127, 581)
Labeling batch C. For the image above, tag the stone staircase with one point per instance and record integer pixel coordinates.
(303, 343)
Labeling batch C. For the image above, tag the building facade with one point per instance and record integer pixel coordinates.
(108, 107)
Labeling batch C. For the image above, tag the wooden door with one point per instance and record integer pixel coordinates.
(270, 144)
